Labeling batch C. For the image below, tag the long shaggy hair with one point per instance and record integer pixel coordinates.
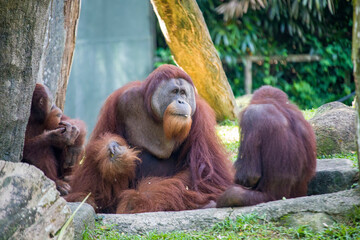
(206, 170)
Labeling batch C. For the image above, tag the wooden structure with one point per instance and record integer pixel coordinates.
(247, 61)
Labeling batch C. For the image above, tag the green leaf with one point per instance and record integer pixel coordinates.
(331, 6)
(67, 223)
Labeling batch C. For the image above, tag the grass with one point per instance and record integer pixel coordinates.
(245, 227)
(228, 131)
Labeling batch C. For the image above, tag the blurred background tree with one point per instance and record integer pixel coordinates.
(241, 28)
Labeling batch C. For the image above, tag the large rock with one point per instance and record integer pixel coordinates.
(333, 175)
(22, 33)
(335, 128)
(196, 220)
(315, 221)
(84, 218)
(30, 205)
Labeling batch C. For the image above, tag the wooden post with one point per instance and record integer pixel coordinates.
(273, 60)
(248, 75)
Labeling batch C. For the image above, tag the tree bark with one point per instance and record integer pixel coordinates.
(58, 47)
(356, 65)
(22, 33)
(188, 38)
(71, 16)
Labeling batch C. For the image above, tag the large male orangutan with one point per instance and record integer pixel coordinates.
(277, 154)
(53, 141)
(154, 148)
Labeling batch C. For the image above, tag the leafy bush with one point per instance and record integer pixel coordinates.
(281, 30)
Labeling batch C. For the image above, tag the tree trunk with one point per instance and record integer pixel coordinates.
(58, 47)
(22, 33)
(37, 40)
(188, 38)
(71, 15)
(356, 63)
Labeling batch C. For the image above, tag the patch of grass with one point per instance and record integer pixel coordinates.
(244, 227)
(229, 135)
(105, 232)
(249, 227)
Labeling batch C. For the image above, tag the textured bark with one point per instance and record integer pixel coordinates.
(71, 15)
(356, 63)
(188, 38)
(22, 33)
(58, 47)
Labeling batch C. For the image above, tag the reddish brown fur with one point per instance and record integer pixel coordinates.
(176, 127)
(122, 166)
(277, 154)
(51, 144)
(205, 171)
(158, 194)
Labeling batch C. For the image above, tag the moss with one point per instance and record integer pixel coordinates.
(326, 145)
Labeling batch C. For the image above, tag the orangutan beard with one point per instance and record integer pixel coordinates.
(176, 126)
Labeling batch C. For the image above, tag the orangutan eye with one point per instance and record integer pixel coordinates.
(182, 92)
(175, 91)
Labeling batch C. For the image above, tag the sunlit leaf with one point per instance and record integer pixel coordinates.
(331, 6)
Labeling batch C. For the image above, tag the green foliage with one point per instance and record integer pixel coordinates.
(309, 113)
(291, 17)
(283, 28)
(163, 56)
(312, 84)
(228, 123)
